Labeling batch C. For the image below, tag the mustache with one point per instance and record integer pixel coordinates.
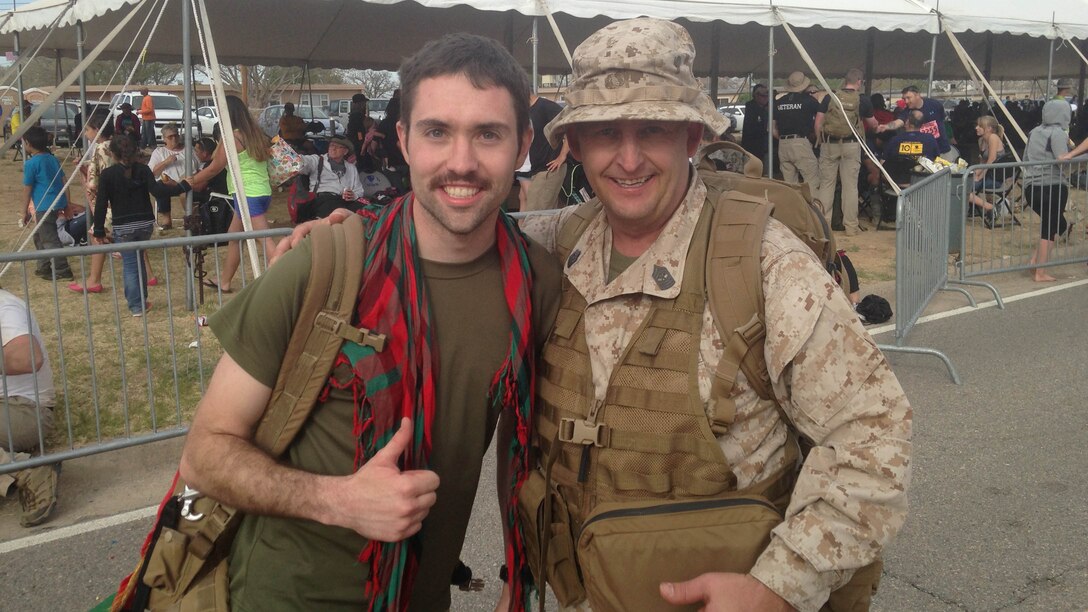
(473, 179)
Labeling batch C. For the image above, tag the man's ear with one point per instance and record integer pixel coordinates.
(572, 141)
(402, 141)
(695, 137)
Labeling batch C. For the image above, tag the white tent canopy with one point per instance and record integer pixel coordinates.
(380, 33)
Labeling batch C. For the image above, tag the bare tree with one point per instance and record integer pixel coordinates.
(42, 72)
(374, 83)
(266, 83)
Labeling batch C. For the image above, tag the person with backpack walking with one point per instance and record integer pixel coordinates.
(840, 151)
(44, 198)
(374, 494)
(679, 473)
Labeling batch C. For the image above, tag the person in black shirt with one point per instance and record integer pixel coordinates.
(542, 156)
(794, 118)
(126, 188)
(754, 135)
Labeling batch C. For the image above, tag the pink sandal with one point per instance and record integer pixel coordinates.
(78, 288)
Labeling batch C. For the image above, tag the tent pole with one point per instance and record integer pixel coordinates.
(988, 61)
(1049, 70)
(81, 37)
(770, 102)
(932, 63)
(19, 78)
(187, 99)
(870, 46)
(536, 57)
(715, 44)
(1080, 81)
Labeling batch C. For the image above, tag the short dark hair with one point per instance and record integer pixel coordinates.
(914, 119)
(482, 60)
(37, 138)
(289, 108)
(910, 88)
(206, 143)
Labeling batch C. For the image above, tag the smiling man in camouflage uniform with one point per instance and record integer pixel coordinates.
(634, 116)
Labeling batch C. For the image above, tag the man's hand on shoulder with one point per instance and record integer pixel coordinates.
(721, 592)
(380, 501)
(303, 229)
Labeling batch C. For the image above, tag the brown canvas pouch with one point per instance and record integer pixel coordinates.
(560, 567)
(626, 549)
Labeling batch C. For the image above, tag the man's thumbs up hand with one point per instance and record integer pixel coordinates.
(381, 502)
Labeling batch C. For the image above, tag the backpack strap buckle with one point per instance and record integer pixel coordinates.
(581, 431)
(341, 328)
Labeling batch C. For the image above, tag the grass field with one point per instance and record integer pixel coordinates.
(116, 375)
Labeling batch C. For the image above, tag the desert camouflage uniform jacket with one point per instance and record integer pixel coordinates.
(827, 373)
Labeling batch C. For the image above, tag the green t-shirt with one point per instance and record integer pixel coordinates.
(287, 564)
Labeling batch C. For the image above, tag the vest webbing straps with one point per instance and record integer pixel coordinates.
(734, 285)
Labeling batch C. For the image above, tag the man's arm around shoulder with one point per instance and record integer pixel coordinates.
(379, 501)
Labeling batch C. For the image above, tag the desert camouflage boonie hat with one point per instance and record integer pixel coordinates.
(636, 69)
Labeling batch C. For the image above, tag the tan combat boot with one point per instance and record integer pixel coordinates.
(37, 493)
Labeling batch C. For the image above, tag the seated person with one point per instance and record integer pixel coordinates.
(292, 127)
(990, 149)
(204, 149)
(911, 143)
(28, 400)
(334, 182)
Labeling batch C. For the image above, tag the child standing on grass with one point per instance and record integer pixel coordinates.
(43, 181)
(126, 188)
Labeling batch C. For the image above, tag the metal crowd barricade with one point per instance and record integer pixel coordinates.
(1007, 239)
(921, 258)
(120, 381)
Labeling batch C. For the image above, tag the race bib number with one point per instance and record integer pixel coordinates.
(931, 128)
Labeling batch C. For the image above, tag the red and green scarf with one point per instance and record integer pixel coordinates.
(400, 382)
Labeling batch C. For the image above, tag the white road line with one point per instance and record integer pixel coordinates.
(77, 529)
(148, 512)
(965, 309)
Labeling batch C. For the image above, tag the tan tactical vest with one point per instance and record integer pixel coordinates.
(650, 438)
(837, 124)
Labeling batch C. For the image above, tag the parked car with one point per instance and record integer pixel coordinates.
(208, 118)
(60, 122)
(339, 109)
(168, 109)
(735, 113)
(269, 120)
(376, 108)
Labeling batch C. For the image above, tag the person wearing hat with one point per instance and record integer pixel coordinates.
(1064, 89)
(127, 123)
(334, 181)
(645, 424)
(794, 119)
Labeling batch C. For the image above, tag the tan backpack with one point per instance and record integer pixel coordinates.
(837, 124)
(184, 562)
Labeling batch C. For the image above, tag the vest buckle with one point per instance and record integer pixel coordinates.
(581, 431)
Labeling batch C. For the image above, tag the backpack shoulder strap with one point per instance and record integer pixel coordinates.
(734, 285)
(573, 228)
(324, 322)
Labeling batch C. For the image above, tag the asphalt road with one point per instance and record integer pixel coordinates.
(998, 517)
